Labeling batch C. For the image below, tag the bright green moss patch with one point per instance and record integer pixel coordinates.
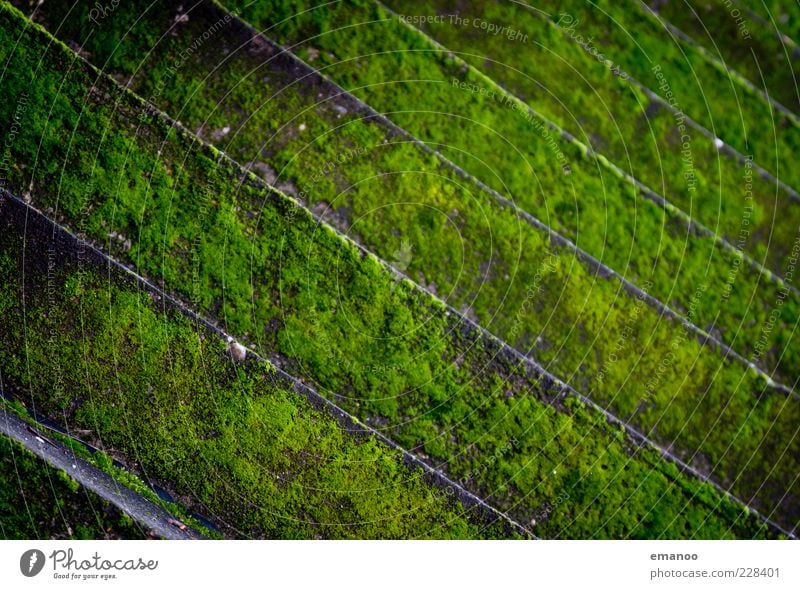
(703, 90)
(590, 99)
(232, 440)
(387, 353)
(361, 47)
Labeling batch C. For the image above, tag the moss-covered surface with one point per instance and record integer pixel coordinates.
(776, 14)
(372, 343)
(705, 90)
(233, 441)
(749, 45)
(122, 476)
(589, 98)
(401, 73)
(109, 359)
(676, 367)
(616, 348)
(38, 501)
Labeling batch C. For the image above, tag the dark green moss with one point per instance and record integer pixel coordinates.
(571, 87)
(40, 502)
(231, 440)
(748, 45)
(373, 344)
(779, 16)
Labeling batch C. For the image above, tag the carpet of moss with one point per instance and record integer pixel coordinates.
(777, 15)
(591, 329)
(590, 99)
(751, 46)
(705, 91)
(373, 344)
(232, 441)
(361, 47)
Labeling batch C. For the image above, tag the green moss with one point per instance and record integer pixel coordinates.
(230, 438)
(566, 350)
(130, 480)
(40, 502)
(705, 92)
(578, 326)
(384, 351)
(749, 45)
(778, 16)
(592, 206)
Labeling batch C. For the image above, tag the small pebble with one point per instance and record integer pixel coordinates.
(237, 350)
